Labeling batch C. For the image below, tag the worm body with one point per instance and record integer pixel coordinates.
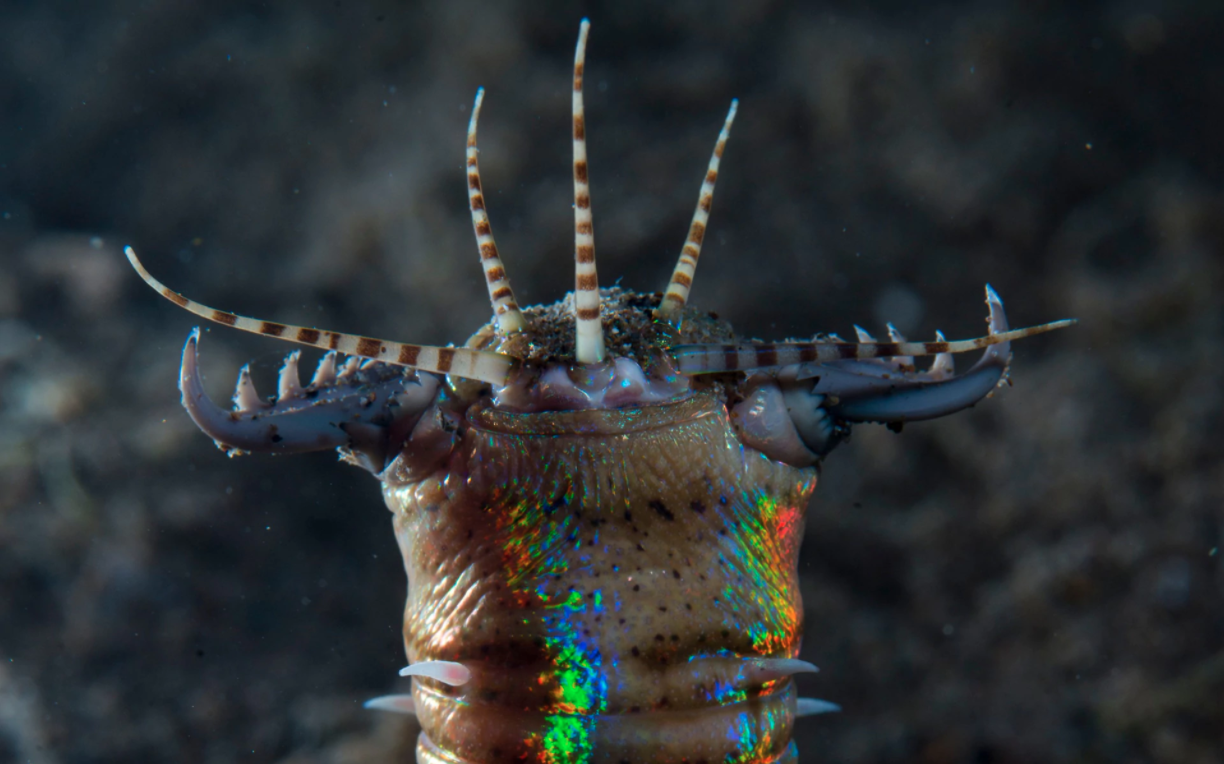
(599, 502)
(617, 581)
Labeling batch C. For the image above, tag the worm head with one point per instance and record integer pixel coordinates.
(594, 349)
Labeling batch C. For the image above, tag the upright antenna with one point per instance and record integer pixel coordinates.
(682, 277)
(509, 317)
(590, 342)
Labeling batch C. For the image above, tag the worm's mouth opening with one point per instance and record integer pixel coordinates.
(651, 415)
(615, 384)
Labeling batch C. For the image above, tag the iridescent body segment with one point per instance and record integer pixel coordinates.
(599, 502)
(600, 571)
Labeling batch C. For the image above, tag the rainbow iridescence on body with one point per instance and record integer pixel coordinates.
(632, 579)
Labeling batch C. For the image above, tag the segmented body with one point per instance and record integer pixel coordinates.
(599, 502)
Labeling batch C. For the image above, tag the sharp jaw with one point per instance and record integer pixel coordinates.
(317, 418)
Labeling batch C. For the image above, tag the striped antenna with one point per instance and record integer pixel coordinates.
(509, 317)
(590, 342)
(714, 359)
(682, 277)
(493, 368)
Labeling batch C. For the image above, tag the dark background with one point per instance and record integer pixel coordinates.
(1036, 580)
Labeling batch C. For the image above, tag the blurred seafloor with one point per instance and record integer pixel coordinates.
(1036, 580)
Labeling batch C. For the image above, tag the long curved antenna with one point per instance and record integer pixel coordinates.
(493, 368)
(682, 277)
(589, 345)
(715, 359)
(509, 317)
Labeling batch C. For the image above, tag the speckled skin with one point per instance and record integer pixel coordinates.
(603, 574)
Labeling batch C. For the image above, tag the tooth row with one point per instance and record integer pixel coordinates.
(941, 368)
(288, 383)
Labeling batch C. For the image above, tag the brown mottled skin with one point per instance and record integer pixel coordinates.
(652, 510)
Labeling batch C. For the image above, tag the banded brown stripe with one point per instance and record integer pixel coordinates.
(272, 329)
(446, 357)
(175, 298)
(308, 336)
(696, 234)
(766, 355)
(221, 317)
(368, 347)
(730, 358)
(408, 354)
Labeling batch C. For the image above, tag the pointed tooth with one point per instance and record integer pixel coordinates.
(813, 706)
(998, 319)
(446, 672)
(943, 366)
(399, 704)
(289, 384)
(904, 362)
(864, 337)
(350, 367)
(246, 397)
(367, 363)
(836, 338)
(325, 372)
